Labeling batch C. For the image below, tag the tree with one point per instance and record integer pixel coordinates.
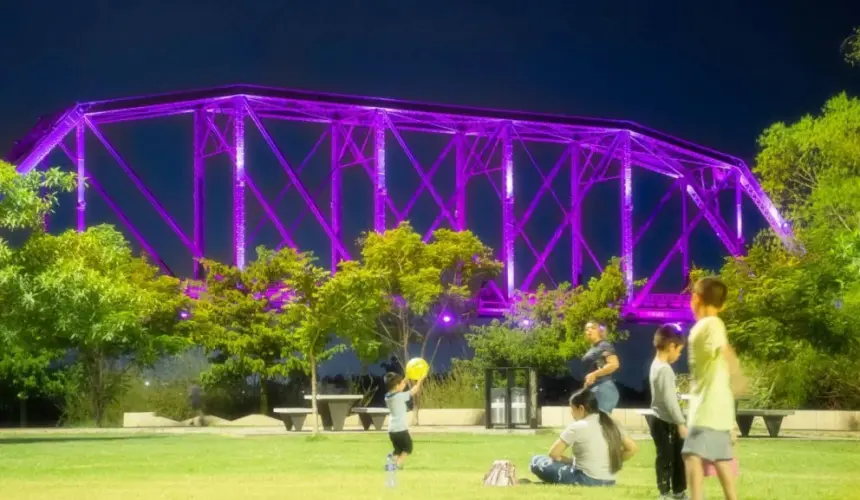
(33, 372)
(324, 307)
(544, 330)
(25, 200)
(86, 293)
(423, 281)
(803, 304)
(236, 317)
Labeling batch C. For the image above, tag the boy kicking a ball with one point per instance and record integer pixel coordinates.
(396, 400)
(716, 371)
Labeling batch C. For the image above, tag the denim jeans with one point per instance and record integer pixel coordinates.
(606, 394)
(552, 472)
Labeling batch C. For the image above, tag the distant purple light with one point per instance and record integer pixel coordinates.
(525, 323)
(184, 315)
(446, 318)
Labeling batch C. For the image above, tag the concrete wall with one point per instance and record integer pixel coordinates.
(802, 420)
(551, 417)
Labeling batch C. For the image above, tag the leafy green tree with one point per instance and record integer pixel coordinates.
(326, 309)
(545, 329)
(33, 373)
(85, 292)
(803, 304)
(25, 200)
(236, 317)
(422, 279)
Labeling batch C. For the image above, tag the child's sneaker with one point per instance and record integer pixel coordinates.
(680, 496)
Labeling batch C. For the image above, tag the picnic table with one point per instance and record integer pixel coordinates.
(334, 408)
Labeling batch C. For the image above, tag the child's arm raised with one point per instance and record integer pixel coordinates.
(417, 387)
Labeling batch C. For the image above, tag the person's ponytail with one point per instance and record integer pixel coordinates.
(612, 435)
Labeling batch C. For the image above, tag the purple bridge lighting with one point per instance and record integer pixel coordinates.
(496, 148)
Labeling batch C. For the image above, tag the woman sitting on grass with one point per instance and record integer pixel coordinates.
(599, 447)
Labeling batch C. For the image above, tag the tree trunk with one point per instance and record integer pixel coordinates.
(264, 397)
(314, 410)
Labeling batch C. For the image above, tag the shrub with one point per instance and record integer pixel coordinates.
(462, 387)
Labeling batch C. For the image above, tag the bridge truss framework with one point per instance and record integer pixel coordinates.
(359, 130)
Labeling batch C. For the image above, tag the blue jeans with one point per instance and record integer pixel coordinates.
(607, 395)
(552, 472)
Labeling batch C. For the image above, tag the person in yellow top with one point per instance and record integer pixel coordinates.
(716, 378)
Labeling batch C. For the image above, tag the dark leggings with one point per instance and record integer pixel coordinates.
(669, 464)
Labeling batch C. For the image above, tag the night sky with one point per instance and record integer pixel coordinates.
(713, 72)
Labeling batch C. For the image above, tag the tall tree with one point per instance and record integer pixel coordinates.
(423, 281)
(803, 305)
(236, 317)
(85, 292)
(325, 310)
(25, 201)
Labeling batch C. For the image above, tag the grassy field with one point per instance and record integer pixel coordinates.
(350, 467)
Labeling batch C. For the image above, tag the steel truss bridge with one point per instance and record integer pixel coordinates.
(361, 132)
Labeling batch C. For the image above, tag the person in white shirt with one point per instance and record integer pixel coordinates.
(599, 445)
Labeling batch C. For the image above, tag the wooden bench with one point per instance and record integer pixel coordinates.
(368, 416)
(294, 418)
(772, 419)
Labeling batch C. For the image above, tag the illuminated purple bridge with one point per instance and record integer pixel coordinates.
(495, 148)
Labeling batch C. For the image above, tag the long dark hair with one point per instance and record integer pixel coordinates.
(611, 432)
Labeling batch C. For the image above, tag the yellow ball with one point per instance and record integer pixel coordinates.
(416, 369)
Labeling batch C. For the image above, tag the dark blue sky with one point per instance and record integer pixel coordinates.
(714, 72)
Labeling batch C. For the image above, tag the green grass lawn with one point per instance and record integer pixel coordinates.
(350, 467)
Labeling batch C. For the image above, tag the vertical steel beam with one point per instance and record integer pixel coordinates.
(380, 193)
(335, 193)
(739, 216)
(239, 184)
(80, 163)
(200, 128)
(509, 223)
(627, 215)
(575, 215)
(461, 178)
(685, 240)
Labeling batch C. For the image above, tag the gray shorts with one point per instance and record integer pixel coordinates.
(708, 444)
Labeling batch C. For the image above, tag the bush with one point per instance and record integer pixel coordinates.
(811, 380)
(462, 387)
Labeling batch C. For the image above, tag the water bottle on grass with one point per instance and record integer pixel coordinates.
(390, 472)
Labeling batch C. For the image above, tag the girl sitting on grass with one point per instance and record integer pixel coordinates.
(600, 446)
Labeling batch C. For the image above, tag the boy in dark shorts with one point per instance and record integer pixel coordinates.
(717, 378)
(398, 428)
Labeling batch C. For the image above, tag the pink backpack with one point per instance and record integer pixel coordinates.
(503, 473)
